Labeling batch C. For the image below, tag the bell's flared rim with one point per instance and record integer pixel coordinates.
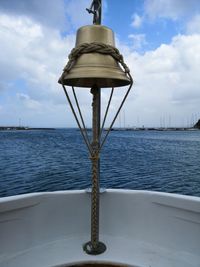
(89, 82)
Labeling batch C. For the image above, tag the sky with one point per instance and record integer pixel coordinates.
(160, 41)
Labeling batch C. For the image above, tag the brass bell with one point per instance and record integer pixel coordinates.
(95, 69)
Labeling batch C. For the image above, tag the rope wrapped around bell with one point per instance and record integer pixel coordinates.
(95, 60)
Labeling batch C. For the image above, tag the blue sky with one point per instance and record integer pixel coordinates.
(160, 40)
(156, 31)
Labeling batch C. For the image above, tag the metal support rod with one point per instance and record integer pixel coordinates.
(106, 113)
(100, 10)
(76, 118)
(81, 116)
(119, 109)
(94, 247)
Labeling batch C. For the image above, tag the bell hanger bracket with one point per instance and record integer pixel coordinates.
(95, 9)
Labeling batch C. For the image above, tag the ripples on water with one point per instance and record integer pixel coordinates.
(32, 161)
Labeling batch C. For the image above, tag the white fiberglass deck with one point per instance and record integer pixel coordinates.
(139, 228)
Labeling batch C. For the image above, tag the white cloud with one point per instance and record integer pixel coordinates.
(139, 40)
(28, 102)
(65, 15)
(166, 79)
(33, 53)
(173, 9)
(193, 26)
(36, 55)
(166, 82)
(136, 21)
(76, 11)
(48, 13)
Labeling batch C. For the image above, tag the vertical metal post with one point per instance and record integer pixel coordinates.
(95, 166)
(94, 247)
(95, 9)
(97, 12)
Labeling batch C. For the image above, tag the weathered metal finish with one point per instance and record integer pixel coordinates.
(96, 67)
(95, 33)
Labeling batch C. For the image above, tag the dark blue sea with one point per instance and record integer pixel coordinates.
(49, 160)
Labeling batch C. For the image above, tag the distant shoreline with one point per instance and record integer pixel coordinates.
(15, 128)
(156, 129)
(18, 128)
(149, 129)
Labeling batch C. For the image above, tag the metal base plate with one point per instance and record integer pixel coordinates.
(94, 251)
(94, 264)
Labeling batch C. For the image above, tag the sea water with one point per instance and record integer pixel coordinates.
(50, 160)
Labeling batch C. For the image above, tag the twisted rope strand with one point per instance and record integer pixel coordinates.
(95, 47)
